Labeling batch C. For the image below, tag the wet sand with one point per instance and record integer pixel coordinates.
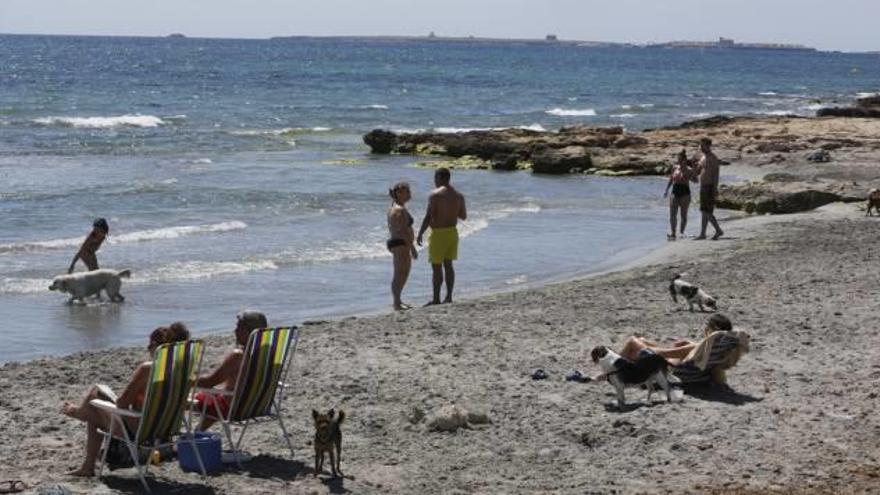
(801, 416)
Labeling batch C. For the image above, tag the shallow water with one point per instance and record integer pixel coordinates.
(233, 174)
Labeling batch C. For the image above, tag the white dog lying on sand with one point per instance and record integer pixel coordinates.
(85, 284)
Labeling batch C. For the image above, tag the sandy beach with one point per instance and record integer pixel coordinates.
(800, 419)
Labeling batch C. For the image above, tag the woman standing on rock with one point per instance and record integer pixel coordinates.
(400, 228)
(681, 174)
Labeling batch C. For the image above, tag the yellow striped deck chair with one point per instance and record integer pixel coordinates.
(175, 367)
(259, 387)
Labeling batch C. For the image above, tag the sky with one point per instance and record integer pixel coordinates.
(847, 25)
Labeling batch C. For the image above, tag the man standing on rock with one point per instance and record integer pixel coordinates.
(445, 207)
(709, 170)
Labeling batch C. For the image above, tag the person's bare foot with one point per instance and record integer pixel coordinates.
(82, 472)
(70, 409)
(717, 235)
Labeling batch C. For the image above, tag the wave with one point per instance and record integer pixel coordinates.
(194, 270)
(622, 115)
(776, 113)
(197, 161)
(283, 132)
(24, 285)
(768, 93)
(129, 120)
(568, 112)
(867, 94)
(131, 237)
(375, 107)
(183, 271)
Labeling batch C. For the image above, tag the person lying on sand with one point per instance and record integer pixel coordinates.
(132, 397)
(682, 351)
(226, 374)
(88, 251)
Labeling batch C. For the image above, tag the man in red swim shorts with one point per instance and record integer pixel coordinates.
(224, 376)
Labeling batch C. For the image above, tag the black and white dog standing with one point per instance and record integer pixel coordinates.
(648, 369)
(693, 294)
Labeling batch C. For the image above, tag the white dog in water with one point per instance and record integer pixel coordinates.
(85, 284)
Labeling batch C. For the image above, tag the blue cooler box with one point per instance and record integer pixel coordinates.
(210, 447)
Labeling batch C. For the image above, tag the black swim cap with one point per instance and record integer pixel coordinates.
(101, 223)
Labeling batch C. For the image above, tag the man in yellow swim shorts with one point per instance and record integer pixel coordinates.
(446, 207)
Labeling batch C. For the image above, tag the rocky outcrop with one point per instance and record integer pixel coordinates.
(566, 151)
(560, 160)
(782, 193)
(807, 162)
(867, 107)
(857, 112)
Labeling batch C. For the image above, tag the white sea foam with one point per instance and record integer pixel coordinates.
(375, 107)
(776, 113)
(137, 236)
(194, 270)
(24, 285)
(867, 95)
(626, 107)
(622, 115)
(102, 122)
(571, 112)
(814, 107)
(768, 93)
(285, 131)
(176, 232)
(198, 161)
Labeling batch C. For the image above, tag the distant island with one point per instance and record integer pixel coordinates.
(721, 44)
(176, 35)
(729, 44)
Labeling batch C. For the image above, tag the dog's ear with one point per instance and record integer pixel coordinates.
(314, 414)
(330, 414)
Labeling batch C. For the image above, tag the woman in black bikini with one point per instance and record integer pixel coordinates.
(400, 227)
(682, 173)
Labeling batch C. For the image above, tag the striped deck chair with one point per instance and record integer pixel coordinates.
(174, 369)
(259, 387)
(689, 373)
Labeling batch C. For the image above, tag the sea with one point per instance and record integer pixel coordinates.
(233, 172)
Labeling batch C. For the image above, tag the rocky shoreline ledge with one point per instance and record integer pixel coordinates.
(801, 163)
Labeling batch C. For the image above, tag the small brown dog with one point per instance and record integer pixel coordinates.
(873, 201)
(328, 436)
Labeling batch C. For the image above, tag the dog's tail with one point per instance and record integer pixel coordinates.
(340, 417)
(124, 273)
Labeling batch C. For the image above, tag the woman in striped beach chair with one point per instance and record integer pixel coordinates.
(133, 398)
(698, 362)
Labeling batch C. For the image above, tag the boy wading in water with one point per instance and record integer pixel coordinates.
(709, 170)
(445, 208)
(88, 251)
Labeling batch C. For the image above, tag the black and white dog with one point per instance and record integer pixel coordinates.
(648, 369)
(693, 294)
